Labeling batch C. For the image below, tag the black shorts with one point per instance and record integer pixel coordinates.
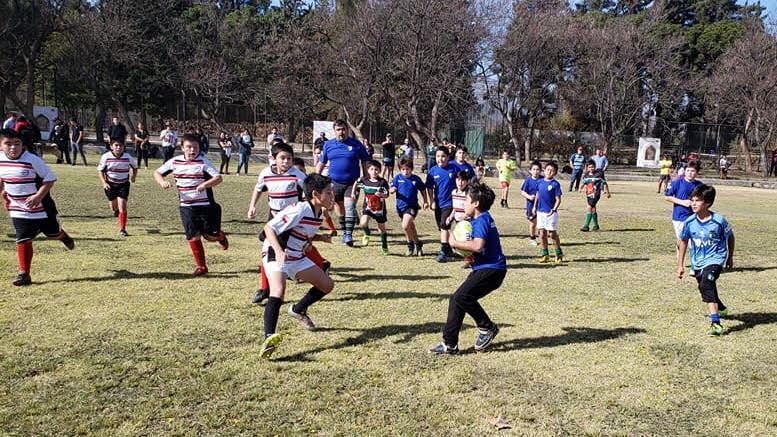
(201, 220)
(388, 162)
(441, 216)
(117, 190)
(379, 216)
(342, 190)
(707, 279)
(592, 201)
(665, 177)
(412, 210)
(28, 229)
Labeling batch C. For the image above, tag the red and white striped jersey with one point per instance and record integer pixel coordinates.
(188, 175)
(295, 227)
(21, 179)
(116, 170)
(282, 189)
(458, 198)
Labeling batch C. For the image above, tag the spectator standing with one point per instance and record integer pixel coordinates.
(576, 161)
(142, 142)
(116, 131)
(389, 150)
(600, 159)
(431, 150)
(77, 141)
(225, 143)
(273, 135)
(202, 139)
(10, 122)
(319, 143)
(60, 135)
(367, 146)
(169, 139)
(773, 168)
(245, 143)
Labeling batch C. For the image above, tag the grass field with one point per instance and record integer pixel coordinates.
(116, 337)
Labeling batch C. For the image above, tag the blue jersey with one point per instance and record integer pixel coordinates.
(344, 159)
(709, 240)
(547, 192)
(407, 190)
(491, 256)
(530, 187)
(681, 189)
(463, 166)
(443, 181)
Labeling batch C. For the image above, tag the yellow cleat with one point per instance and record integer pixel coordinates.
(558, 259)
(544, 259)
(270, 344)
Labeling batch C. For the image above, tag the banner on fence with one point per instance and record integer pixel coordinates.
(649, 152)
(44, 118)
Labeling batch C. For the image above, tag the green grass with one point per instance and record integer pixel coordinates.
(116, 338)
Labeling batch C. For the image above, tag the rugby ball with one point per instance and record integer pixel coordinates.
(463, 232)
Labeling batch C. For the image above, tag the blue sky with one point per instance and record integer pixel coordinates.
(771, 8)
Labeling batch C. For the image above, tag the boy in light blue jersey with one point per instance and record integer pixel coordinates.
(712, 247)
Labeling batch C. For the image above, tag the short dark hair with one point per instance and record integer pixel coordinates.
(9, 133)
(482, 194)
(298, 162)
(552, 164)
(463, 148)
(591, 162)
(121, 140)
(316, 182)
(537, 163)
(704, 192)
(373, 163)
(694, 165)
(405, 162)
(444, 150)
(277, 148)
(463, 175)
(190, 138)
(340, 123)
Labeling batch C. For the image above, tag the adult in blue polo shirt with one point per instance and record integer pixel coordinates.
(577, 162)
(346, 157)
(440, 183)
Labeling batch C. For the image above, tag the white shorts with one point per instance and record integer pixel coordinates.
(289, 268)
(547, 222)
(678, 227)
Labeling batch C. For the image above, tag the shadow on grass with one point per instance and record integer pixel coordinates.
(357, 277)
(572, 335)
(752, 269)
(628, 230)
(126, 274)
(589, 243)
(549, 265)
(610, 260)
(98, 217)
(387, 295)
(751, 320)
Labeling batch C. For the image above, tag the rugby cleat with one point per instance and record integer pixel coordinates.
(22, 279)
(269, 345)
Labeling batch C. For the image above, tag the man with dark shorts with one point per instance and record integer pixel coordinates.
(346, 156)
(389, 155)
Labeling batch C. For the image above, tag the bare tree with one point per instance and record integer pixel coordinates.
(743, 87)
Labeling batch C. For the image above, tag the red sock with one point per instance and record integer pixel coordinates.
(24, 253)
(330, 224)
(123, 220)
(316, 257)
(199, 253)
(265, 281)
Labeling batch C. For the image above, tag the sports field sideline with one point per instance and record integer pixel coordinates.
(117, 338)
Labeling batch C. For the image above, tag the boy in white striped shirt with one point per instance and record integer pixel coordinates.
(25, 182)
(195, 176)
(114, 172)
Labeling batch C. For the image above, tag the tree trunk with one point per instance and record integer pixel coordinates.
(529, 141)
(291, 125)
(515, 141)
(99, 121)
(744, 143)
(3, 93)
(30, 90)
(121, 104)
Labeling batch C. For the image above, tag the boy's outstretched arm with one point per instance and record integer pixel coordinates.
(252, 205)
(730, 260)
(161, 180)
(682, 246)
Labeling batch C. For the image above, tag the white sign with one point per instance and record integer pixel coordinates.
(649, 152)
(44, 117)
(327, 127)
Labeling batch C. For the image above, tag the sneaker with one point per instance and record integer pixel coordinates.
(533, 241)
(559, 259)
(716, 329)
(200, 271)
(442, 257)
(443, 349)
(419, 249)
(224, 242)
(595, 228)
(261, 296)
(115, 212)
(466, 265)
(506, 206)
(385, 251)
(303, 318)
(123, 233)
(485, 338)
(269, 345)
(544, 259)
(68, 241)
(326, 265)
(723, 313)
(410, 251)
(365, 240)
(348, 240)
(584, 229)
(22, 279)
